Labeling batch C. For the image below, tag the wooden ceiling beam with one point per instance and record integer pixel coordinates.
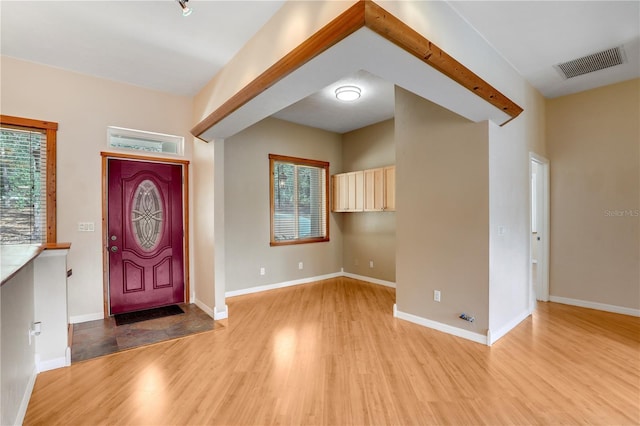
(365, 13)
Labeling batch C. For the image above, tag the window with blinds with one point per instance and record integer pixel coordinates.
(299, 200)
(23, 185)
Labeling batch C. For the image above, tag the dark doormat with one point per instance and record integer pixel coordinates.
(148, 314)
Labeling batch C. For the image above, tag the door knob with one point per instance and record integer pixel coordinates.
(114, 249)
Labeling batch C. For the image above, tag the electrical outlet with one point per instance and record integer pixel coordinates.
(35, 330)
(300, 265)
(371, 264)
(262, 271)
(436, 295)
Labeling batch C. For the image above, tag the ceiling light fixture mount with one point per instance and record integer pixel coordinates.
(186, 10)
(348, 93)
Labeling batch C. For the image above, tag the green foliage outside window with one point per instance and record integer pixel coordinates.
(22, 186)
(299, 207)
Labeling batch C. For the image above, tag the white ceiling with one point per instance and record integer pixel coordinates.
(536, 35)
(376, 104)
(150, 44)
(145, 43)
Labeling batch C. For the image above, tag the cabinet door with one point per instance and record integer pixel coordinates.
(351, 191)
(390, 188)
(359, 195)
(339, 192)
(373, 190)
(348, 191)
(355, 188)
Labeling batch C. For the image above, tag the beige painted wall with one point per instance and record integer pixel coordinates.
(442, 233)
(371, 235)
(594, 147)
(84, 106)
(291, 25)
(509, 145)
(247, 220)
(203, 240)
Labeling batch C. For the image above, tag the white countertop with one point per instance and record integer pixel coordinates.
(14, 257)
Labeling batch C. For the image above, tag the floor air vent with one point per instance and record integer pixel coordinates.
(590, 63)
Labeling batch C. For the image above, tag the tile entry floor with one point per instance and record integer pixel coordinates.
(102, 337)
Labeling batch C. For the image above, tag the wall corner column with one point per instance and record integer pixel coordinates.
(220, 310)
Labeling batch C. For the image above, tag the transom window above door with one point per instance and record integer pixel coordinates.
(299, 200)
(140, 140)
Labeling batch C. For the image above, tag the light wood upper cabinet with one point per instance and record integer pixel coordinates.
(380, 189)
(358, 193)
(390, 188)
(338, 190)
(372, 190)
(348, 192)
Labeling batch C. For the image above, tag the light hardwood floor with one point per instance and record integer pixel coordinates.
(331, 353)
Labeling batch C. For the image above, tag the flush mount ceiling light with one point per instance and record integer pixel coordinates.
(348, 93)
(186, 10)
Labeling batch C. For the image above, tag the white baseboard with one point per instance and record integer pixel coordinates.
(50, 364)
(206, 308)
(76, 319)
(220, 315)
(449, 329)
(596, 305)
(22, 410)
(369, 279)
(493, 336)
(281, 285)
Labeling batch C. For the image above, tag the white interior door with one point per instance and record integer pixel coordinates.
(539, 230)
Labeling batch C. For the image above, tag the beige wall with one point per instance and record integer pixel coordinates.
(509, 146)
(292, 24)
(84, 106)
(594, 147)
(247, 217)
(203, 240)
(371, 235)
(442, 203)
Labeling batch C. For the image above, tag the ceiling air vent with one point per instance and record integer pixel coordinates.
(590, 63)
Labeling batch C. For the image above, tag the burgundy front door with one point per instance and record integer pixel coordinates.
(145, 235)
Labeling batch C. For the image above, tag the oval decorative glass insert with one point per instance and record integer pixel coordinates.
(147, 215)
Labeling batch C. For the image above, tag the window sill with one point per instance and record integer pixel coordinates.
(15, 257)
(299, 241)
